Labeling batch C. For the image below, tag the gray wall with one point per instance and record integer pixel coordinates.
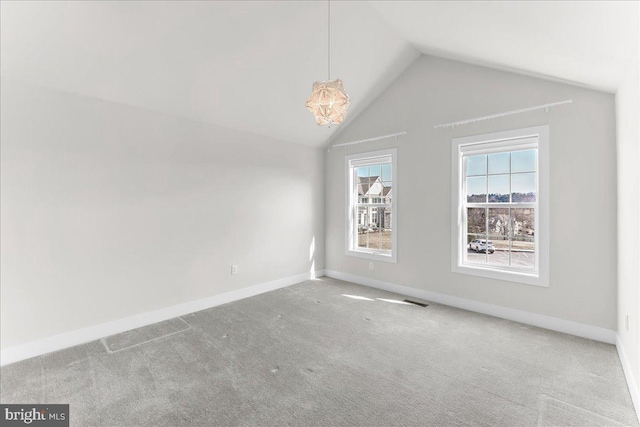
(109, 211)
(583, 186)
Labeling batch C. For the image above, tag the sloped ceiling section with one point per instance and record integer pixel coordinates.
(250, 65)
(588, 43)
(243, 65)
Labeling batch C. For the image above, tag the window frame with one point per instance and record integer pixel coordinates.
(511, 140)
(351, 249)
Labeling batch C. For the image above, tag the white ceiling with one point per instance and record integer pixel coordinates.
(250, 65)
(582, 42)
(243, 65)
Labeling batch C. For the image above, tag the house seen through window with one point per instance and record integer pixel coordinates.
(370, 205)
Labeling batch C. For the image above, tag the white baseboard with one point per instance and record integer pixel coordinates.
(547, 322)
(628, 374)
(91, 333)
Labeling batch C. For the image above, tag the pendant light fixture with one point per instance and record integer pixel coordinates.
(329, 101)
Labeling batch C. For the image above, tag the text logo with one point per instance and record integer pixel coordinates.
(34, 415)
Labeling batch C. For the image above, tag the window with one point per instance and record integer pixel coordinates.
(500, 190)
(371, 209)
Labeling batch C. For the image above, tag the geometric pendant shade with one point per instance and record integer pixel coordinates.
(328, 102)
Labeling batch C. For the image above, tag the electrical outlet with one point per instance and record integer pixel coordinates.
(626, 322)
(371, 265)
(234, 269)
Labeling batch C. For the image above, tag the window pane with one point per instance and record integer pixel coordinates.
(386, 172)
(366, 232)
(498, 250)
(363, 171)
(386, 220)
(523, 254)
(474, 256)
(477, 189)
(498, 189)
(375, 171)
(499, 223)
(523, 246)
(376, 218)
(476, 222)
(375, 187)
(362, 220)
(477, 165)
(374, 228)
(499, 163)
(366, 239)
(366, 226)
(523, 221)
(523, 161)
(386, 232)
(387, 192)
(363, 183)
(476, 232)
(499, 232)
(523, 187)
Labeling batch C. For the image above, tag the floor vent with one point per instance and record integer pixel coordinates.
(421, 304)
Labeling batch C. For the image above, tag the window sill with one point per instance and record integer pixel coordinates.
(376, 256)
(534, 279)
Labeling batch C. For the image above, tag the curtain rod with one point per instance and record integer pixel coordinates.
(375, 138)
(506, 113)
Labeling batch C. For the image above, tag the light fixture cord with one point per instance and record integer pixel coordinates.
(329, 40)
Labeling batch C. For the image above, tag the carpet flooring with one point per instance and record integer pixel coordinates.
(330, 353)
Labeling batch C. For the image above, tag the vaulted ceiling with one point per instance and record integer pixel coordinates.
(587, 43)
(250, 65)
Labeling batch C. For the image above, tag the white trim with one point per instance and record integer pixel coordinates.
(496, 273)
(92, 333)
(628, 374)
(506, 113)
(349, 219)
(495, 146)
(547, 322)
(383, 159)
(540, 277)
(371, 254)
